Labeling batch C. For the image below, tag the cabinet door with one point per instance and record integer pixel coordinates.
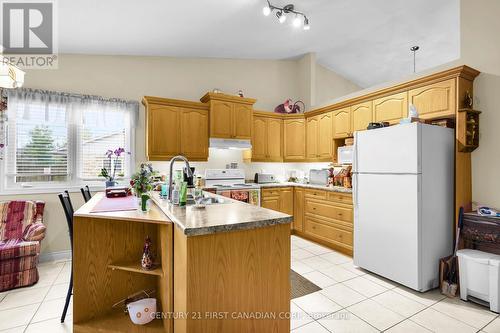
(312, 137)
(361, 116)
(391, 108)
(163, 135)
(435, 100)
(194, 134)
(298, 209)
(294, 139)
(259, 138)
(242, 121)
(342, 123)
(286, 200)
(271, 203)
(325, 124)
(274, 141)
(221, 120)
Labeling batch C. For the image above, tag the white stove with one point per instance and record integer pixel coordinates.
(231, 183)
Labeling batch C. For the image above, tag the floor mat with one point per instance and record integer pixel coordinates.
(300, 286)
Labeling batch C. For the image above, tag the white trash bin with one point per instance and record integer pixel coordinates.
(479, 276)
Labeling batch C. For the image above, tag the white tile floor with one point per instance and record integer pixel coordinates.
(352, 300)
(37, 309)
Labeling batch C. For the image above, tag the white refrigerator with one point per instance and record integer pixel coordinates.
(403, 192)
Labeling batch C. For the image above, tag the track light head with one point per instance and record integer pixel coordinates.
(281, 16)
(306, 24)
(266, 10)
(296, 21)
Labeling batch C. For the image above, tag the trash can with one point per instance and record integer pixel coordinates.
(479, 276)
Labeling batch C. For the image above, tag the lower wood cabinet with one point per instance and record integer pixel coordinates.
(328, 219)
(298, 209)
(279, 199)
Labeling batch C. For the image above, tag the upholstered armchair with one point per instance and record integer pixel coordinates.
(21, 231)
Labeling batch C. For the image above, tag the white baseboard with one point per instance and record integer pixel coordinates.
(55, 256)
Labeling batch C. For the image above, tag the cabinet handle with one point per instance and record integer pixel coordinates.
(314, 208)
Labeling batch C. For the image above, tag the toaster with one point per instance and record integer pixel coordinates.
(264, 178)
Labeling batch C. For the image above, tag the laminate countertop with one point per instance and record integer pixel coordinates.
(311, 186)
(231, 215)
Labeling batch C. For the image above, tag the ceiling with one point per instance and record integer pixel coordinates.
(366, 41)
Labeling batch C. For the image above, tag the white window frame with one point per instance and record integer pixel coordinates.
(9, 187)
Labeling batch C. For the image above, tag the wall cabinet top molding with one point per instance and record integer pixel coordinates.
(226, 98)
(464, 71)
(148, 100)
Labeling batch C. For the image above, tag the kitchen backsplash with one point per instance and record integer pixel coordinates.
(218, 158)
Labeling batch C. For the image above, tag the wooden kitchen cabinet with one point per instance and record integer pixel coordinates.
(231, 117)
(319, 137)
(175, 127)
(436, 100)
(294, 139)
(312, 137)
(391, 108)
(342, 123)
(267, 138)
(361, 116)
(298, 210)
(328, 218)
(278, 198)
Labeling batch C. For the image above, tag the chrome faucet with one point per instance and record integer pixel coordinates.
(188, 170)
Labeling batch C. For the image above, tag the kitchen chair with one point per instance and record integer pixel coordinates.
(68, 211)
(86, 193)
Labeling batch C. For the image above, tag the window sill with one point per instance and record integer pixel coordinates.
(49, 190)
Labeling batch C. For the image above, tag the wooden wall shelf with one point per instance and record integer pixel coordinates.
(135, 267)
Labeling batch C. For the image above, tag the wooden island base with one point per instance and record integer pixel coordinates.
(234, 281)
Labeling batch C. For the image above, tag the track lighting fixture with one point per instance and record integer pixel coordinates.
(281, 15)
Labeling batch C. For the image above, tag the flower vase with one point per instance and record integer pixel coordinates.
(147, 261)
(143, 199)
(110, 183)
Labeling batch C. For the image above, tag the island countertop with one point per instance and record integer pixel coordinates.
(231, 215)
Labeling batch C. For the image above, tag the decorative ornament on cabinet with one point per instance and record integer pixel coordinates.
(289, 107)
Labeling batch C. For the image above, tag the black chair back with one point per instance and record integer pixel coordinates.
(68, 211)
(86, 193)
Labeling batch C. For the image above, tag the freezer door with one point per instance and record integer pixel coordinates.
(394, 149)
(386, 226)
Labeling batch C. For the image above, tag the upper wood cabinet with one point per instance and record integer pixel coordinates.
(325, 135)
(267, 139)
(230, 116)
(319, 137)
(342, 123)
(175, 127)
(312, 131)
(194, 134)
(294, 139)
(435, 100)
(391, 108)
(361, 116)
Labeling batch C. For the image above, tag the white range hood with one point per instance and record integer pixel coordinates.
(229, 144)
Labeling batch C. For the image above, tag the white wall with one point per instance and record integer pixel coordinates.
(269, 81)
(480, 48)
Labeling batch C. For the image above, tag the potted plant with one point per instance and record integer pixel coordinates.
(112, 155)
(142, 183)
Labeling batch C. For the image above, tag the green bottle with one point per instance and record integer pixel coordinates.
(183, 194)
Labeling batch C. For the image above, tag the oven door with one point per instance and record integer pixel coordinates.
(250, 196)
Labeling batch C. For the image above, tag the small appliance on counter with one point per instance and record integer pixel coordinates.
(231, 183)
(372, 126)
(319, 177)
(264, 178)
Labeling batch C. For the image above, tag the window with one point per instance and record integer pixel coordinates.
(59, 140)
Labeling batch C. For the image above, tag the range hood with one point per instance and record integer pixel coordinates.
(229, 144)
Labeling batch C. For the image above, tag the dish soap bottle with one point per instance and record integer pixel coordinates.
(175, 194)
(183, 194)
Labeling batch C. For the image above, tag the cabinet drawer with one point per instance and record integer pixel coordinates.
(340, 197)
(270, 192)
(318, 194)
(328, 210)
(328, 232)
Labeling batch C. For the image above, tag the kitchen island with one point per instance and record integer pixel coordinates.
(224, 268)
